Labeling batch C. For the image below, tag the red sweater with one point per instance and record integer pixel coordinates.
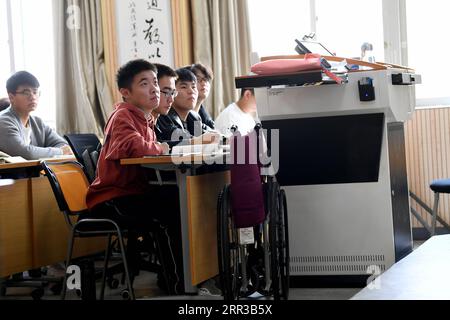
(128, 134)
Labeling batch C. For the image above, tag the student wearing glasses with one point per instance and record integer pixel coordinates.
(174, 124)
(166, 80)
(21, 133)
(204, 77)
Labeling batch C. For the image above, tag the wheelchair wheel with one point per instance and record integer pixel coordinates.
(228, 249)
(279, 248)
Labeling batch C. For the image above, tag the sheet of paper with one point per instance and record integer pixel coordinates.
(15, 160)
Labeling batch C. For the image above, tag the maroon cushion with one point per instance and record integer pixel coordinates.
(247, 199)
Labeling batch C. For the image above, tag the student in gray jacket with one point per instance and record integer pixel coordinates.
(22, 134)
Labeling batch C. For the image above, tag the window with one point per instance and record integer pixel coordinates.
(402, 32)
(428, 48)
(5, 64)
(27, 43)
(274, 25)
(342, 27)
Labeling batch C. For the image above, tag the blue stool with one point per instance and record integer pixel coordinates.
(438, 186)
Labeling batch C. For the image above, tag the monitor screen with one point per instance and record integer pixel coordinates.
(328, 150)
(304, 47)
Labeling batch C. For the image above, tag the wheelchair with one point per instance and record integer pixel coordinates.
(261, 265)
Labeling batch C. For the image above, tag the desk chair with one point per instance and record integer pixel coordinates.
(86, 148)
(438, 187)
(36, 279)
(4, 103)
(70, 186)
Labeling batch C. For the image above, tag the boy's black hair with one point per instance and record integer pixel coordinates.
(126, 73)
(165, 71)
(186, 75)
(21, 78)
(245, 89)
(209, 75)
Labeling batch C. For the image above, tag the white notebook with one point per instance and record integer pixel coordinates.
(15, 160)
(197, 149)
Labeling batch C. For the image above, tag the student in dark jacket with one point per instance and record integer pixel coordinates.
(174, 124)
(204, 77)
(199, 119)
(166, 80)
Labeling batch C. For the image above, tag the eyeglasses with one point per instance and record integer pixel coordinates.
(200, 79)
(169, 94)
(29, 93)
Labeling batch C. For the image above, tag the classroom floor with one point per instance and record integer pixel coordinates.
(146, 289)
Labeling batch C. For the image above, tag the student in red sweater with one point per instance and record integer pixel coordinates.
(122, 193)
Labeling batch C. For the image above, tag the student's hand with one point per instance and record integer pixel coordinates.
(210, 137)
(214, 131)
(165, 148)
(66, 151)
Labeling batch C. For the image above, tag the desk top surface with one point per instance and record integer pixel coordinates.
(31, 163)
(27, 164)
(172, 159)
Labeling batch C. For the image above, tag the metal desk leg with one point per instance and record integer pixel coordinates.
(182, 185)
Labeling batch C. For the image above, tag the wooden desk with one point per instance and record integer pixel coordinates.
(27, 168)
(198, 209)
(16, 245)
(33, 232)
(30, 167)
(27, 164)
(31, 163)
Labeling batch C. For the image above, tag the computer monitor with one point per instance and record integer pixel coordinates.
(304, 47)
(313, 47)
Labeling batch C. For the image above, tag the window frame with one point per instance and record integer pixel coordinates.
(9, 25)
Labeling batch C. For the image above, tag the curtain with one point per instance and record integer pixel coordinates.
(221, 39)
(84, 99)
(182, 32)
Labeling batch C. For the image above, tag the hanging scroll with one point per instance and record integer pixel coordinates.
(144, 29)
